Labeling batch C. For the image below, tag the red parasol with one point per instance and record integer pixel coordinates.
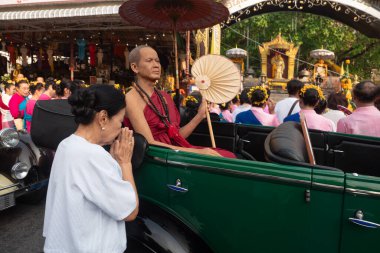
(175, 15)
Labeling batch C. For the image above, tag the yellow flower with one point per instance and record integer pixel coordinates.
(192, 99)
(312, 86)
(255, 88)
(348, 61)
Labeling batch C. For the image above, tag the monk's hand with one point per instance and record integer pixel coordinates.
(122, 148)
(202, 109)
(206, 151)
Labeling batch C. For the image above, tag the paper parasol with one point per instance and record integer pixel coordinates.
(218, 80)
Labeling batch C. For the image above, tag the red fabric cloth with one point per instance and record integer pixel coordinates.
(92, 50)
(15, 101)
(118, 50)
(5, 107)
(171, 136)
(12, 54)
(2, 105)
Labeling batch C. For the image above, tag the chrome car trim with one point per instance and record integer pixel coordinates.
(240, 173)
(363, 192)
(157, 159)
(9, 186)
(328, 186)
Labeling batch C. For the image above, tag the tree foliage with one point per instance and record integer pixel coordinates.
(309, 32)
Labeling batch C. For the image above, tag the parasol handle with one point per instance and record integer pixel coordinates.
(306, 136)
(210, 128)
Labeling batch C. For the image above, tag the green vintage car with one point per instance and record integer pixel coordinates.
(278, 203)
(268, 200)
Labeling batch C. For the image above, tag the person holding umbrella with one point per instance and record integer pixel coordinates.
(154, 114)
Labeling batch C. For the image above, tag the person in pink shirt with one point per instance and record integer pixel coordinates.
(7, 119)
(235, 103)
(36, 90)
(18, 99)
(50, 90)
(226, 115)
(309, 96)
(256, 115)
(365, 120)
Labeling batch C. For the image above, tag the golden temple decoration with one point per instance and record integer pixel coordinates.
(280, 55)
(215, 39)
(202, 41)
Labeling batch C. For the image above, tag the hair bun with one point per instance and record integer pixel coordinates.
(82, 103)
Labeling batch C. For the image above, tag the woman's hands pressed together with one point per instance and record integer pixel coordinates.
(122, 148)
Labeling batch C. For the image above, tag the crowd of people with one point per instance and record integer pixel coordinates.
(254, 106)
(18, 99)
(91, 194)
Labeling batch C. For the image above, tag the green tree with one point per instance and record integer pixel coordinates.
(309, 32)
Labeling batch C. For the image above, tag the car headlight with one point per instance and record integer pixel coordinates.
(20, 170)
(9, 138)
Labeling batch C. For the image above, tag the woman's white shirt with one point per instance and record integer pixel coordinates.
(7, 116)
(87, 200)
(334, 115)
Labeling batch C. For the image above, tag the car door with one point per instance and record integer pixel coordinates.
(361, 214)
(151, 177)
(326, 202)
(241, 206)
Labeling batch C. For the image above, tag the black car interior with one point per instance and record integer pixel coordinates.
(349, 153)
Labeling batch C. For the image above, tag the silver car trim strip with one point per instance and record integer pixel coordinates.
(363, 192)
(329, 186)
(242, 173)
(9, 186)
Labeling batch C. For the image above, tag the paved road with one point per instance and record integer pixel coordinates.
(21, 228)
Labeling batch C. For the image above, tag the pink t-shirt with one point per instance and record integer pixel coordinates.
(265, 119)
(227, 115)
(44, 97)
(317, 122)
(14, 103)
(364, 121)
(233, 107)
(29, 110)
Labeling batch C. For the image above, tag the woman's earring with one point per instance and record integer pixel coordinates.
(103, 128)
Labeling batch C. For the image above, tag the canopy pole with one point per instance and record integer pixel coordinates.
(176, 67)
(187, 54)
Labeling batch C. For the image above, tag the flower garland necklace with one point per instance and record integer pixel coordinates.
(165, 118)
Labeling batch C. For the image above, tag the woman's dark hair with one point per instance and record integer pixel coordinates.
(180, 98)
(66, 84)
(235, 100)
(86, 102)
(8, 85)
(50, 82)
(191, 107)
(321, 106)
(244, 98)
(310, 97)
(224, 106)
(335, 99)
(36, 87)
(258, 98)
